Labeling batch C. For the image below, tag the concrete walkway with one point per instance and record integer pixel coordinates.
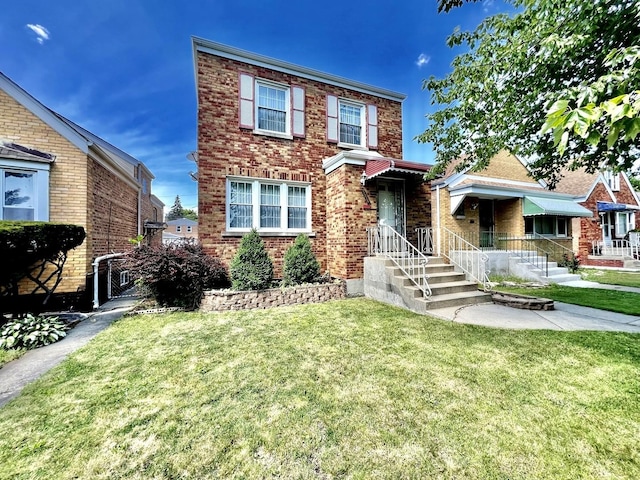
(14, 376)
(564, 317)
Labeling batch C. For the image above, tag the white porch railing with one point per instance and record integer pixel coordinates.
(470, 259)
(425, 240)
(618, 248)
(384, 240)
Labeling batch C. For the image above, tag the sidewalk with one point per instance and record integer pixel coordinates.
(15, 375)
(564, 317)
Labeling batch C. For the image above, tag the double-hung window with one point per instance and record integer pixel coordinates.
(272, 108)
(351, 123)
(24, 190)
(268, 206)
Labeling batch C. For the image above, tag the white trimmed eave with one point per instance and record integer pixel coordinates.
(633, 192)
(232, 53)
(349, 157)
(104, 159)
(43, 113)
(489, 191)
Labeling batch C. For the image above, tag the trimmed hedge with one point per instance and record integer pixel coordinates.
(27, 245)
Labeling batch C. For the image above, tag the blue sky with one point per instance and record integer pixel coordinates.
(123, 69)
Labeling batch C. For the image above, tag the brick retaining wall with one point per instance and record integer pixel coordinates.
(222, 300)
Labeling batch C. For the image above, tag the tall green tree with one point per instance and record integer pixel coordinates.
(176, 210)
(504, 90)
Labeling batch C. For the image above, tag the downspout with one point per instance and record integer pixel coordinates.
(438, 218)
(139, 201)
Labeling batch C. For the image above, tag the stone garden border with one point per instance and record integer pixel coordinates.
(224, 300)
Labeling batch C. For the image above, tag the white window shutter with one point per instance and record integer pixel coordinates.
(372, 126)
(332, 119)
(246, 114)
(297, 117)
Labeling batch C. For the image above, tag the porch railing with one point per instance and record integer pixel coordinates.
(528, 251)
(384, 240)
(557, 251)
(467, 257)
(615, 248)
(425, 240)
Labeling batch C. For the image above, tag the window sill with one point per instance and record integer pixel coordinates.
(231, 234)
(352, 146)
(267, 133)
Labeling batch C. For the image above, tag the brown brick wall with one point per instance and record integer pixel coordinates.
(226, 149)
(505, 166)
(114, 212)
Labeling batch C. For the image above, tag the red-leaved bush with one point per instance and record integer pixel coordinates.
(177, 274)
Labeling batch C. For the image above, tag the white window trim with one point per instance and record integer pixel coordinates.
(189, 229)
(287, 99)
(555, 234)
(178, 228)
(255, 202)
(40, 185)
(363, 125)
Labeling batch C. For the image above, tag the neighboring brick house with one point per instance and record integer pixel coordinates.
(615, 206)
(67, 174)
(501, 202)
(288, 150)
(180, 229)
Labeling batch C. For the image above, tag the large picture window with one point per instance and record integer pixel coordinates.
(268, 206)
(549, 225)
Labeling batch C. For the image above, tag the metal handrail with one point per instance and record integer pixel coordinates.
(467, 257)
(533, 254)
(425, 239)
(617, 247)
(386, 241)
(558, 251)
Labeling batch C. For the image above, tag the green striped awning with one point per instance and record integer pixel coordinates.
(553, 206)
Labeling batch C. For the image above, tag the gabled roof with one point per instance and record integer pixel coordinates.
(182, 221)
(75, 134)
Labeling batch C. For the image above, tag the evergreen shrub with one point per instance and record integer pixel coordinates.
(300, 263)
(251, 267)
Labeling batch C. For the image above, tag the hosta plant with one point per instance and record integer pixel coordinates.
(32, 332)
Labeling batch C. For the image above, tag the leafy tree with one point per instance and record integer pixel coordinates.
(518, 66)
(635, 182)
(251, 267)
(190, 214)
(300, 263)
(176, 210)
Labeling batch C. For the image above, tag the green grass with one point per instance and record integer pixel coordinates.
(347, 389)
(612, 277)
(8, 355)
(611, 300)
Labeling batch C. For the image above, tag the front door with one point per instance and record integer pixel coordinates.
(487, 223)
(390, 205)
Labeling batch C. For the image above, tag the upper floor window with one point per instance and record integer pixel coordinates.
(351, 127)
(178, 228)
(25, 191)
(268, 206)
(271, 108)
(613, 180)
(189, 229)
(351, 124)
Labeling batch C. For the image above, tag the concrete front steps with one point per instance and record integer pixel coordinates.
(556, 274)
(385, 282)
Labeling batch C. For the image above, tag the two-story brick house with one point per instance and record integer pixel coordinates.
(67, 174)
(286, 150)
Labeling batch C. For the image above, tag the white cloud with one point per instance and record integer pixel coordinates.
(487, 4)
(423, 60)
(41, 32)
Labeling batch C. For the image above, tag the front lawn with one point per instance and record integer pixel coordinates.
(612, 277)
(612, 300)
(346, 389)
